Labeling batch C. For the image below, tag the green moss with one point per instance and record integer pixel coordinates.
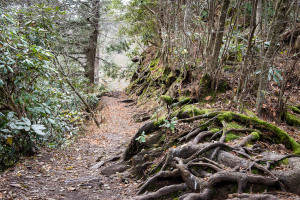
(256, 135)
(292, 119)
(154, 63)
(156, 70)
(167, 99)
(227, 116)
(284, 161)
(249, 145)
(205, 82)
(162, 138)
(233, 125)
(175, 113)
(214, 130)
(250, 113)
(192, 110)
(196, 168)
(159, 121)
(184, 99)
(284, 138)
(231, 136)
(255, 171)
(171, 78)
(156, 170)
(295, 109)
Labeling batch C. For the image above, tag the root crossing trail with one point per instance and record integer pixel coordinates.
(69, 173)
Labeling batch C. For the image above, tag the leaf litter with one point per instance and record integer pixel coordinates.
(67, 174)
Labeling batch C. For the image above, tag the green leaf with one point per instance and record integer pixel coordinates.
(1, 83)
(9, 19)
(38, 129)
(143, 140)
(52, 121)
(278, 74)
(39, 132)
(27, 121)
(47, 111)
(5, 131)
(276, 79)
(10, 69)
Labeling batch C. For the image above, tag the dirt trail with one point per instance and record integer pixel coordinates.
(67, 174)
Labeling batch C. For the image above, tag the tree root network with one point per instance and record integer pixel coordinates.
(216, 161)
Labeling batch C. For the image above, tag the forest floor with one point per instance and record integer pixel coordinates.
(68, 173)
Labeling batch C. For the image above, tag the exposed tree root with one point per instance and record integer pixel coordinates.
(204, 160)
(163, 192)
(161, 174)
(133, 145)
(253, 196)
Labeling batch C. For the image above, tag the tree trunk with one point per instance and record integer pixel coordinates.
(211, 34)
(218, 42)
(97, 66)
(91, 52)
(259, 17)
(242, 81)
(273, 37)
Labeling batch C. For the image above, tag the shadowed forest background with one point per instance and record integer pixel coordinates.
(218, 83)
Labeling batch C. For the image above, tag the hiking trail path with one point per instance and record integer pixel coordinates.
(68, 173)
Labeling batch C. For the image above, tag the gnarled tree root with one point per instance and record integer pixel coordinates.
(203, 168)
(163, 192)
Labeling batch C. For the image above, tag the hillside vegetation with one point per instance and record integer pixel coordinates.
(220, 82)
